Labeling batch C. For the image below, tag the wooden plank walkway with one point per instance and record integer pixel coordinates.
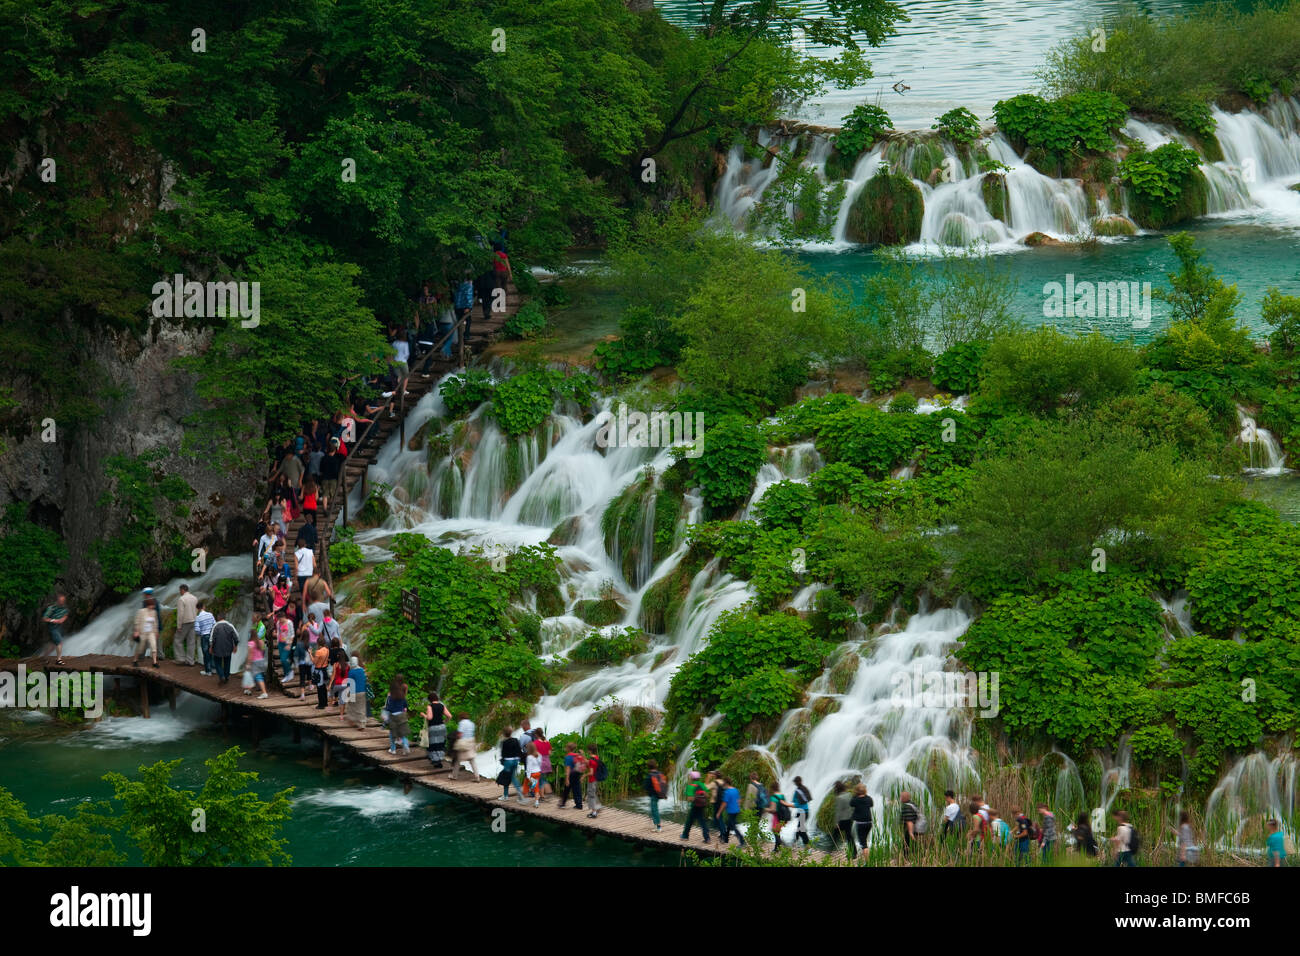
(370, 746)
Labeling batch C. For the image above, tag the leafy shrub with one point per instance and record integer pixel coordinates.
(904, 403)
(800, 422)
(760, 695)
(889, 210)
(959, 125)
(1078, 121)
(345, 554)
(733, 452)
(1040, 370)
(850, 554)
(464, 393)
(785, 505)
(224, 596)
(526, 323)
(868, 438)
(1158, 176)
(522, 402)
(31, 558)
(862, 127)
(610, 649)
(497, 672)
(960, 368)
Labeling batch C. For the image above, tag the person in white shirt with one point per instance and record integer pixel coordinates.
(533, 772)
(183, 644)
(204, 622)
(466, 747)
(305, 561)
(402, 356)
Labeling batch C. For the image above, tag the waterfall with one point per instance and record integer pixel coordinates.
(1256, 788)
(1264, 455)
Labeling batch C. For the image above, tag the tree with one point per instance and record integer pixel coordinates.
(224, 824)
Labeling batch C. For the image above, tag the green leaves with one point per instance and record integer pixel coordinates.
(1158, 176)
(960, 125)
(862, 127)
(733, 452)
(1078, 121)
(31, 559)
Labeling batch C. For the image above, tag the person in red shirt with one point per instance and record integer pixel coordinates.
(593, 770)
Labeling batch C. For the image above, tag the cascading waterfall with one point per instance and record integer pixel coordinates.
(1264, 455)
(1261, 161)
(1257, 788)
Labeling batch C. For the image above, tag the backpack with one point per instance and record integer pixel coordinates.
(959, 821)
(760, 798)
(701, 797)
(658, 784)
(602, 771)
(922, 825)
(782, 811)
(1134, 841)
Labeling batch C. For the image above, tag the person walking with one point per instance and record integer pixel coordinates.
(257, 666)
(330, 468)
(511, 754)
(862, 804)
(357, 689)
(1122, 841)
(910, 815)
(1084, 841)
(780, 808)
(204, 622)
(145, 631)
(597, 771)
(656, 788)
(1275, 846)
(320, 672)
(56, 615)
(224, 641)
(1024, 832)
(697, 805)
(1188, 852)
(466, 747)
(399, 721)
(435, 719)
(544, 755)
(802, 806)
(1047, 832)
(304, 565)
(844, 817)
(573, 768)
(533, 772)
(184, 646)
(302, 660)
(731, 805)
(954, 821)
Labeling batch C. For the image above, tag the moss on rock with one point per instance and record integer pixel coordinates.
(1193, 201)
(742, 763)
(1114, 226)
(888, 210)
(993, 187)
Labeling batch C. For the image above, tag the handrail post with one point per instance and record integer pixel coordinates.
(401, 415)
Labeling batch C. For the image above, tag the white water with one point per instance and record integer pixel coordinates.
(1263, 454)
(1261, 150)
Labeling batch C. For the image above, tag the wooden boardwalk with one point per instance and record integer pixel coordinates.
(369, 745)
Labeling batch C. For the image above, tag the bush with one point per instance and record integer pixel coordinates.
(733, 452)
(868, 439)
(527, 323)
(959, 125)
(760, 695)
(904, 403)
(888, 210)
(960, 368)
(464, 393)
(523, 402)
(610, 649)
(497, 672)
(862, 127)
(31, 558)
(1041, 370)
(1078, 121)
(785, 504)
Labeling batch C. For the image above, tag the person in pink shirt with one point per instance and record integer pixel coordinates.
(257, 665)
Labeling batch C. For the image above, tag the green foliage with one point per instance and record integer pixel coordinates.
(527, 323)
(224, 596)
(859, 561)
(960, 368)
(463, 609)
(609, 648)
(31, 558)
(786, 504)
(959, 125)
(464, 393)
(241, 828)
(1075, 122)
(494, 673)
(868, 438)
(863, 126)
(345, 554)
(1026, 521)
(1073, 666)
(1243, 577)
(888, 210)
(904, 403)
(741, 642)
(760, 695)
(647, 341)
(375, 509)
(1041, 370)
(1164, 416)
(152, 505)
(733, 452)
(86, 839)
(522, 402)
(1158, 176)
(1282, 312)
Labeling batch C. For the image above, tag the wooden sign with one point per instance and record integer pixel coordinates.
(411, 606)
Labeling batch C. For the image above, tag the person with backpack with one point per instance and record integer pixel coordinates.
(1000, 829)
(980, 834)
(697, 805)
(862, 804)
(713, 780)
(511, 754)
(597, 772)
(571, 784)
(399, 719)
(1023, 835)
(954, 821)
(435, 719)
(1084, 841)
(780, 808)
(1125, 841)
(656, 788)
(544, 755)
(731, 808)
(1047, 832)
(912, 819)
(844, 817)
(802, 803)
